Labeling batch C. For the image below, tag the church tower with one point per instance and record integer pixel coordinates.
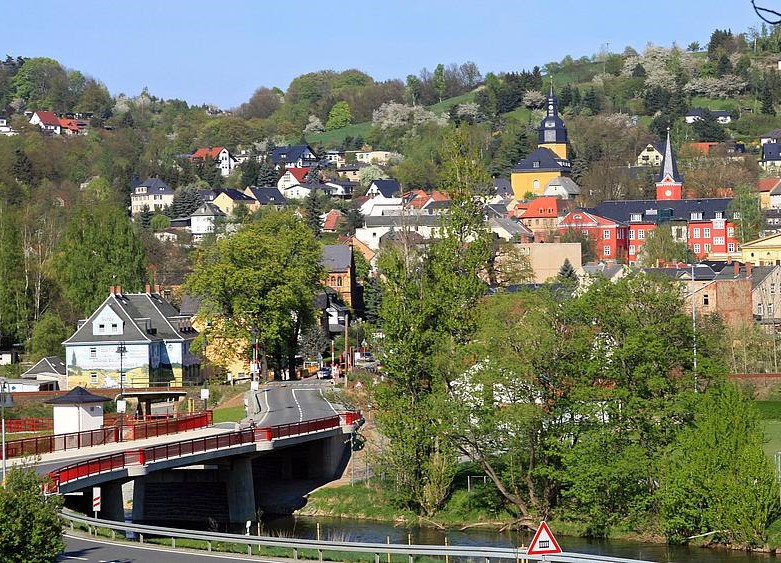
(669, 182)
(552, 132)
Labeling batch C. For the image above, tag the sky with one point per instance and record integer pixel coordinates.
(221, 52)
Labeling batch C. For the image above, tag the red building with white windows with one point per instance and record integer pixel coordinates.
(704, 224)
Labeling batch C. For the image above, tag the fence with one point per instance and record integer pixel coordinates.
(143, 456)
(106, 435)
(29, 425)
(317, 547)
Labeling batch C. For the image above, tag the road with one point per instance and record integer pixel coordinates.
(106, 551)
(285, 402)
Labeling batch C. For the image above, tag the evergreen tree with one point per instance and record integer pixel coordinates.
(22, 168)
(145, 218)
(267, 174)
(314, 209)
(592, 102)
(186, 201)
(13, 299)
(766, 96)
(567, 272)
(707, 128)
(249, 171)
(565, 96)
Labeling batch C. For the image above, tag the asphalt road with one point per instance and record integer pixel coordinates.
(106, 551)
(289, 402)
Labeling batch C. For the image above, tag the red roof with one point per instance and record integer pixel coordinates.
(332, 220)
(417, 199)
(73, 124)
(298, 173)
(767, 184)
(205, 152)
(579, 219)
(48, 118)
(547, 206)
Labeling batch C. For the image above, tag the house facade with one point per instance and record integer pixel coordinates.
(651, 155)
(340, 271)
(153, 193)
(293, 156)
(223, 158)
(139, 337)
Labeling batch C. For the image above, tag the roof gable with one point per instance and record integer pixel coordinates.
(542, 159)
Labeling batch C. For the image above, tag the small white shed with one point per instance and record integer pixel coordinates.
(77, 411)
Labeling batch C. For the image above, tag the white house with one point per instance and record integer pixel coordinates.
(291, 177)
(226, 162)
(47, 121)
(203, 219)
(153, 193)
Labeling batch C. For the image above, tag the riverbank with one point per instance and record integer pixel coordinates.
(366, 501)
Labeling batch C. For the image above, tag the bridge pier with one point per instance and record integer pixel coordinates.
(241, 491)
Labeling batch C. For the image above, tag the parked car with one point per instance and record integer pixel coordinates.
(324, 373)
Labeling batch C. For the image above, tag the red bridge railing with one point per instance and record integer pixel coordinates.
(142, 456)
(106, 435)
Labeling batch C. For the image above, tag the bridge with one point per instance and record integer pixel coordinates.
(222, 475)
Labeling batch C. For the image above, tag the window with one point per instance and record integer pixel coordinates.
(114, 328)
(772, 289)
(696, 216)
(730, 231)
(759, 309)
(719, 215)
(636, 217)
(606, 234)
(696, 248)
(631, 249)
(606, 250)
(736, 215)
(731, 247)
(705, 299)
(631, 234)
(93, 352)
(706, 233)
(93, 378)
(696, 233)
(641, 234)
(769, 309)
(536, 164)
(101, 328)
(707, 248)
(718, 240)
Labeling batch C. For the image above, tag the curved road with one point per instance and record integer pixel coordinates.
(285, 402)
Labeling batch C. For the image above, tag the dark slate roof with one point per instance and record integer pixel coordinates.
(290, 153)
(401, 221)
(208, 210)
(771, 151)
(46, 366)
(774, 134)
(207, 195)
(234, 194)
(546, 161)
(156, 185)
(503, 187)
(408, 237)
(77, 396)
(497, 210)
(268, 195)
(337, 257)
(656, 211)
(602, 269)
(388, 188)
(702, 272)
(669, 165)
(132, 307)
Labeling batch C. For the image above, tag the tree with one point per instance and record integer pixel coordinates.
(766, 97)
(263, 103)
(592, 102)
(588, 252)
(438, 81)
(413, 89)
(13, 300)
(99, 248)
(159, 222)
(339, 116)
(746, 213)
(314, 342)
(716, 476)
(186, 201)
(30, 526)
(249, 171)
(567, 272)
(145, 218)
(314, 208)
(263, 276)
(22, 168)
(660, 245)
(267, 174)
(47, 337)
(368, 174)
(707, 128)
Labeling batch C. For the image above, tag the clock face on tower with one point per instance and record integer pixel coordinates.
(549, 124)
(668, 193)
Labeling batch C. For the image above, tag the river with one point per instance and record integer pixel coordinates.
(341, 529)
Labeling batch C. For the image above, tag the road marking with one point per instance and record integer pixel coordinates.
(329, 402)
(73, 557)
(300, 410)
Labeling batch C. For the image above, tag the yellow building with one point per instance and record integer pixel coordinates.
(549, 161)
(765, 251)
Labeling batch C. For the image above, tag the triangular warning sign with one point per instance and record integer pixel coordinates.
(543, 542)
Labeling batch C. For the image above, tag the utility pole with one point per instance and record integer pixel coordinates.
(346, 345)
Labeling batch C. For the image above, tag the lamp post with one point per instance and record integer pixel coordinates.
(3, 391)
(121, 350)
(254, 371)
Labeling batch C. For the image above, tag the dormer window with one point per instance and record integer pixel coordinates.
(536, 164)
(636, 217)
(719, 215)
(696, 216)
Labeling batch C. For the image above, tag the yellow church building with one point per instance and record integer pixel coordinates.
(548, 161)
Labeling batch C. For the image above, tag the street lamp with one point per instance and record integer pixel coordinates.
(254, 367)
(3, 392)
(121, 350)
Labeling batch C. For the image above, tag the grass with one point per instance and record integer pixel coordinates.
(365, 501)
(445, 105)
(337, 136)
(229, 414)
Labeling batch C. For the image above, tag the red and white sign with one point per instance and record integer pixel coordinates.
(543, 543)
(96, 499)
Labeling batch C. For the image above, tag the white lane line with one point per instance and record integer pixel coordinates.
(327, 401)
(73, 557)
(195, 554)
(300, 410)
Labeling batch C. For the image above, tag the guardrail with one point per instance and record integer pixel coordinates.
(142, 456)
(14, 425)
(379, 550)
(106, 435)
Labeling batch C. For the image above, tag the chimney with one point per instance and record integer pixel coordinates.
(729, 260)
(111, 290)
(147, 289)
(748, 269)
(157, 288)
(736, 268)
(118, 289)
(557, 239)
